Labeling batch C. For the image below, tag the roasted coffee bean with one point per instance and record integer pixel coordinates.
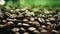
(48, 23)
(47, 20)
(17, 33)
(22, 29)
(2, 26)
(25, 33)
(43, 26)
(41, 20)
(55, 16)
(52, 19)
(25, 20)
(7, 14)
(31, 28)
(9, 23)
(49, 16)
(24, 24)
(32, 19)
(30, 22)
(15, 29)
(36, 31)
(4, 21)
(48, 27)
(13, 16)
(35, 18)
(41, 15)
(19, 24)
(36, 23)
(19, 15)
(44, 31)
(55, 32)
(8, 19)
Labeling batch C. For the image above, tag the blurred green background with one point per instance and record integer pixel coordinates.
(34, 2)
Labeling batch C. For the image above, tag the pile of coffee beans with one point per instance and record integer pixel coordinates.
(20, 22)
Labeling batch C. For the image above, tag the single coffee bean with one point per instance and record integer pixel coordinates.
(15, 29)
(17, 33)
(25, 33)
(31, 28)
(22, 29)
(24, 24)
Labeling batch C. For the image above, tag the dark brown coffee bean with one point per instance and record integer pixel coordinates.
(41, 15)
(43, 26)
(32, 19)
(36, 31)
(13, 16)
(25, 20)
(41, 20)
(25, 33)
(54, 31)
(44, 31)
(19, 24)
(52, 19)
(15, 29)
(17, 33)
(2, 26)
(22, 29)
(9, 23)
